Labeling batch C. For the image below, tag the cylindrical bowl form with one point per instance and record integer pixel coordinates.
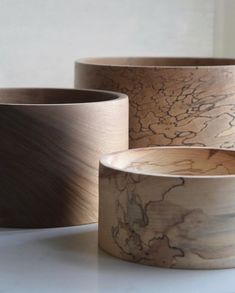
(173, 101)
(51, 142)
(170, 207)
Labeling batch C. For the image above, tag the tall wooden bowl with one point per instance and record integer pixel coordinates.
(173, 101)
(51, 141)
(171, 207)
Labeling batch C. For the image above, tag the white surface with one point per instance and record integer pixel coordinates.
(224, 41)
(68, 260)
(40, 39)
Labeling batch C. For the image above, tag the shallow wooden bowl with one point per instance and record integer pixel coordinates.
(173, 101)
(171, 207)
(51, 141)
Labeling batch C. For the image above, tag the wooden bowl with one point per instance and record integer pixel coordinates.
(170, 207)
(51, 141)
(173, 101)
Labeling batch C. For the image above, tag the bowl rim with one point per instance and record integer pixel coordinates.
(117, 96)
(104, 162)
(90, 61)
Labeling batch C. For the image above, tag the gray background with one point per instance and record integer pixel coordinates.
(40, 39)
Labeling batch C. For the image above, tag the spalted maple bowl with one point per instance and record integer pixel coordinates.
(173, 101)
(51, 142)
(169, 206)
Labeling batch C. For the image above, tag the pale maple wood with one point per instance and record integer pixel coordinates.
(173, 101)
(51, 142)
(171, 207)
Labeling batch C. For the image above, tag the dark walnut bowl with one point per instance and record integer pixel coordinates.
(51, 142)
(171, 207)
(173, 101)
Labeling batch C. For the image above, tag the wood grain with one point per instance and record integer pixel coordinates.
(173, 101)
(171, 207)
(51, 142)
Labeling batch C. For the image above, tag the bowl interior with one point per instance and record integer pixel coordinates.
(162, 62)
(178, 161)
(52, 96)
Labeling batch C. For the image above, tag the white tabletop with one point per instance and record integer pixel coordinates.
(68, 260)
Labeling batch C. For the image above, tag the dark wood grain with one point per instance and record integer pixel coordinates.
(51, 141)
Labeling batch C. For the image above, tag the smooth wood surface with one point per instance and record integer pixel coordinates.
(173, 101)
(170, 207)
(51, 142)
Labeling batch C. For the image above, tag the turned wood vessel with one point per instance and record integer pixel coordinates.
(171, 207)
(173, 101)
(51, 142)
